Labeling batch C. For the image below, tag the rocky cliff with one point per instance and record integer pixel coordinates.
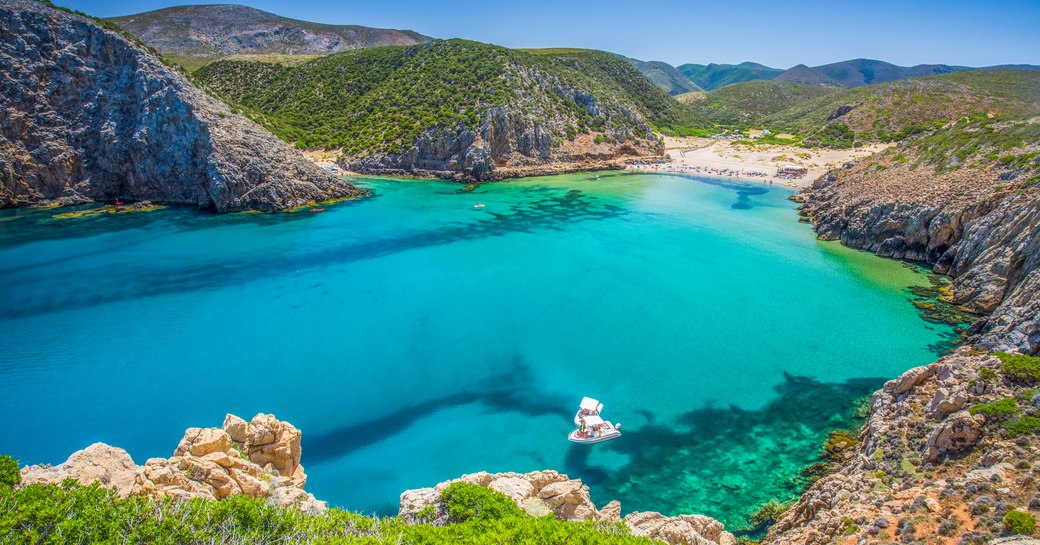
(979, 223)
(948, 450)
(458, 109)
(260, 458)
(87, 115)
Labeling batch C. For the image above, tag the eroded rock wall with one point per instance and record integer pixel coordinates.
(86, 115)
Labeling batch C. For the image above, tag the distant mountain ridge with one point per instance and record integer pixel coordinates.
(221, 30)
(850, 73)
(664, 75)
(712, 76)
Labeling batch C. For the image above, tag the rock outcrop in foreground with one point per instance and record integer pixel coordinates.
(86, 115)
(260, 458)
(541, 493)
(928, 470)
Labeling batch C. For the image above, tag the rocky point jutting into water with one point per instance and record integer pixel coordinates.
(937, 461)
(87, 115)
(979, 223)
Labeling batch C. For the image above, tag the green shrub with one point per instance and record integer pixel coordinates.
(839, 442)
(1023, 425)
(71, 513)
(767, 514)
(9, 474)
(986, 374)
(465, 501)
(1019, 522)
(1019, 367)
(999, 409)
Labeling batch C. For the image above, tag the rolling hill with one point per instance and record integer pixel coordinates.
(195, 35)
(664, 75)
(858, 72)
(894, 110)
(747, 103)
(713, 76)
(457, 108)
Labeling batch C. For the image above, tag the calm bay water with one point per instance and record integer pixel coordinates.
(413, 338)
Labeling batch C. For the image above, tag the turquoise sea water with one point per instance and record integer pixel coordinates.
(413, 338)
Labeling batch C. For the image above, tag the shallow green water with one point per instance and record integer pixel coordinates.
(413, 338)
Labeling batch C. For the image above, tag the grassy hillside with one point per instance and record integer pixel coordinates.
(894, 110)
(664, 76)
(382, 99)
(745, 104)
(70, 513)
(713, 76)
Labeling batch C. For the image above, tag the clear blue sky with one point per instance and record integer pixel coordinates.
(776, 33)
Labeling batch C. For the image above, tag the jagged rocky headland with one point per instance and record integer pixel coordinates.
(88, 115)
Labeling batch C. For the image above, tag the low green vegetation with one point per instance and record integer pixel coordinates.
(1019, 523)
(69, 512)
(744, 105)
(767, 514)
(382, 99)
(1000, 409)
(834, 135)
(1023, 425)
(9, 474)
(838, 444)
(1019, 367)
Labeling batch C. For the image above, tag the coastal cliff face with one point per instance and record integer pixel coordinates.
(457, 109)
(937, 462)
(89, 116)
(980, 225)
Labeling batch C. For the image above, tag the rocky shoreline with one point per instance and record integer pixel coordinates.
(986, 236)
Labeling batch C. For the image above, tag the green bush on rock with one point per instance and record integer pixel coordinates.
(465, 501)
(51, 514)
(1019, 367)
(1000, 409)
(1023, 425)
(1019, 522)
(9, 475)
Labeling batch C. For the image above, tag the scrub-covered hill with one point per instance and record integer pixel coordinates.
(196, 35)
(747, 103)
(456, 108)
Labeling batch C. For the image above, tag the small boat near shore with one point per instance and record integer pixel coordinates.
(478, 206)
(591, 426)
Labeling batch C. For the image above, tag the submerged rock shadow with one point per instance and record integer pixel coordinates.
(724, 461)
(552, 211)
(513, 390)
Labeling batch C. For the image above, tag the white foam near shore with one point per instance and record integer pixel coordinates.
(752, 163)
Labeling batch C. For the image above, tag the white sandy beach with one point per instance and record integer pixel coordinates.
(758, 163)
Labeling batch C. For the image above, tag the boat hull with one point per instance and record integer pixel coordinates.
(607, 436)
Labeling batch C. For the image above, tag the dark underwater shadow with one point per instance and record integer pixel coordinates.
(513, 390)
(553, 210)
(724, 461)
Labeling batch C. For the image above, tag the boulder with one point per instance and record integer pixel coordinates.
(236, 428)
(203, 441)
(107, 465)
(960, 431)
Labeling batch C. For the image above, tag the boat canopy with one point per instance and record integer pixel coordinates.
(593, 420)
(590, 404)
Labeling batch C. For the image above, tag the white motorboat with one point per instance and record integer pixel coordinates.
(588, 407)
(594, 429)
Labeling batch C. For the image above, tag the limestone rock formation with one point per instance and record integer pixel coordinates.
(966, 223)
(87, 115)
(542, 492)
(110, 466)
(260, 459)
(919, 473)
